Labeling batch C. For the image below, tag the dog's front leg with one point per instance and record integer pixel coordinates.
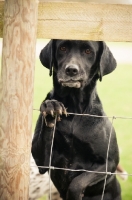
(80, 183)
(41, 144)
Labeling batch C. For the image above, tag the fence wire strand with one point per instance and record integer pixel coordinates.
(104, 116)
(80, 170)
(51, 150)
(107, 159)
(50, 167)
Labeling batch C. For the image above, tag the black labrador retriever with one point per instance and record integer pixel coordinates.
(80, 142)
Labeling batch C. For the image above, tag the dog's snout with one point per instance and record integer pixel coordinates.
(71, 70)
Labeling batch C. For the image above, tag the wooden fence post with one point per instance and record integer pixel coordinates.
(16, 100)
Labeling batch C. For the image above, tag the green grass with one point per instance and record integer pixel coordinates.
(42, 85)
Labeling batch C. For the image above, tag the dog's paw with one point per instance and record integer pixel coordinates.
(50, 109)
(74, 195)
(75, 190)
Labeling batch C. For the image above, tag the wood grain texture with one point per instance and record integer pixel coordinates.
(16, 100)
(1, 18)
(83, 20)
(92, 1)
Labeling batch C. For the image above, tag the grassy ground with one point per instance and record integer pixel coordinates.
(115, 91)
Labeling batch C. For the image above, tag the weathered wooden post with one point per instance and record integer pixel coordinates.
(16, 100)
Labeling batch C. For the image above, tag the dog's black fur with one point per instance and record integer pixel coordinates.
(80, 142)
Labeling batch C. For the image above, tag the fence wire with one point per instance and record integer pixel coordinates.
(106, 172)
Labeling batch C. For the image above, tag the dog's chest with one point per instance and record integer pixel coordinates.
(82, 128)
(76, 146)
(77, 135)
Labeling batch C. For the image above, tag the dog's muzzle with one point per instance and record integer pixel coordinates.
(72, 84)
(71, 71)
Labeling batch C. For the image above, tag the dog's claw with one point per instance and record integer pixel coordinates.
(65, 112)
(60, 112)
(45, 120)
(52, 113)
(51, 125)
(58, 118)
(44, 113)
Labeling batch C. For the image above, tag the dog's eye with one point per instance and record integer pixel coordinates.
(88, 51)
(63, 48)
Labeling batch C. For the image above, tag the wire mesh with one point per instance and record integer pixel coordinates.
(106, 172)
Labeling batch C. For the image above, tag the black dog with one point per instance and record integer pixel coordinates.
(80, 142)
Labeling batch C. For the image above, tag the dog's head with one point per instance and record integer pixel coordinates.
(76, 63)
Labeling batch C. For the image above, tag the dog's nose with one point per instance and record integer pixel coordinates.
(71, 70)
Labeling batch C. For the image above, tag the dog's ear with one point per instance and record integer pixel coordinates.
(107, 61)
(46, 56)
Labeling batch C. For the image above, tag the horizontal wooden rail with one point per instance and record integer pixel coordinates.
(83, 20)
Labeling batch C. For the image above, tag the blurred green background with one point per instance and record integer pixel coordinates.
(115, 92)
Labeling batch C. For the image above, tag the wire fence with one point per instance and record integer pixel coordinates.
(106, 172)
